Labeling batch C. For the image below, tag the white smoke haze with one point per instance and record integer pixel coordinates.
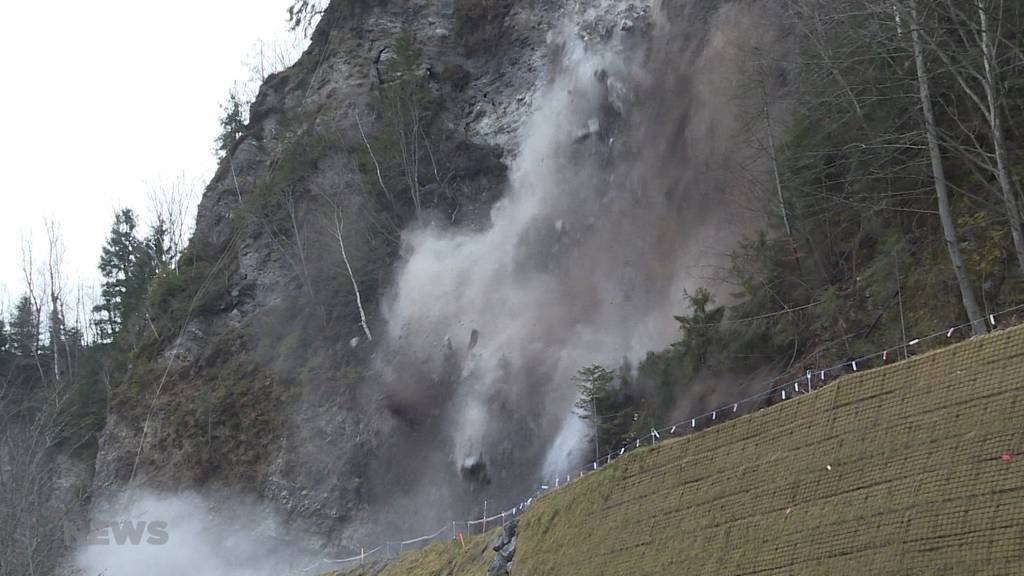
(216, 536)
(622, 193)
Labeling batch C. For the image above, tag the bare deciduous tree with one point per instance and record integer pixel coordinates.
(33, 290)
(874, 58)
(172, 203)
(32, 511)
(296, 239)
(55, 284)
(971, 54)
(970, 301)
(376, 164)
(336, 227)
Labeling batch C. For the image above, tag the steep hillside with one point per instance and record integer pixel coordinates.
(909, 469)
(252, 376)
(359, 323)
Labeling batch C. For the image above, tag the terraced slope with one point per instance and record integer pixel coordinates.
(916, 468)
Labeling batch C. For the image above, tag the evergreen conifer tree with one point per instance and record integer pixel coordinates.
(3, 335)
(124, 264)
(24, 330)
(232, 123)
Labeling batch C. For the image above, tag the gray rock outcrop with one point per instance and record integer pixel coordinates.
(505, 550)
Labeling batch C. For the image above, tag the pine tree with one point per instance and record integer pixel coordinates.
(232, 123)
(55, 344)
(602, 404)
(3, 335)
(304, 14)
(701, 330)
(24, 330)
(125, 265)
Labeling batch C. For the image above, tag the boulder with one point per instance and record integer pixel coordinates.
(505, 547)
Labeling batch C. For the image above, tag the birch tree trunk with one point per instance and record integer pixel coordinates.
(338, 231)
(338, 228)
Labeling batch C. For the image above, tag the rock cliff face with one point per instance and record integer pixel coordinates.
(265, 386)
(260, 374)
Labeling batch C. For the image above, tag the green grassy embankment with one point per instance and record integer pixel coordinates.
(914, 468)
(436, 559)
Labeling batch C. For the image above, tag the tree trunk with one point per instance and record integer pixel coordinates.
(778, 185)
(338, 232)
(970, 302)
(995, 117)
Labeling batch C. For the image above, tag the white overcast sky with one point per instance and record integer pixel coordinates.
(98, 99)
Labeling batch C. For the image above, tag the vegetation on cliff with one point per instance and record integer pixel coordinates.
(856, 258)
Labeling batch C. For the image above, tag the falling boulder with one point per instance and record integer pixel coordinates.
(593, 127)
(473, 469)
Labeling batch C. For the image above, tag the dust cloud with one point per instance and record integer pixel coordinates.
(188, 534)
(626, 190)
